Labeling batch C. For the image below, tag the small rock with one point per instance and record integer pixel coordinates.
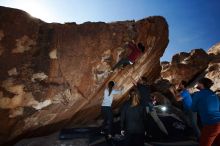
(39, 77)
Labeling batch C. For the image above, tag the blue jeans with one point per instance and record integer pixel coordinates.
(191, 120)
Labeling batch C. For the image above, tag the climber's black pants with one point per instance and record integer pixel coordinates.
(108, 118)
(134, 139)
(122, 62)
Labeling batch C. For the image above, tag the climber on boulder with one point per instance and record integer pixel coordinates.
(136, 51)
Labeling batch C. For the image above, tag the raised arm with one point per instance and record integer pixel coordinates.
(114, 92)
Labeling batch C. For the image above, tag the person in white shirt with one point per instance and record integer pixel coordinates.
(106, 108)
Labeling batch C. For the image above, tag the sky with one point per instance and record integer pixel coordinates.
(192, 23)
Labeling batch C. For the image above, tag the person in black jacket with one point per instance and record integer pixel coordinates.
(133, 119)
(145, 93)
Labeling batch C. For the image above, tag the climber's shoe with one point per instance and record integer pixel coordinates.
(109, 136)
(102, 132)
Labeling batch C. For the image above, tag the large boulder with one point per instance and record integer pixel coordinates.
(53, 75)
(185, 66)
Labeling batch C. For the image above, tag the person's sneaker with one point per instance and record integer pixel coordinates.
(102, 132)
(109, 136)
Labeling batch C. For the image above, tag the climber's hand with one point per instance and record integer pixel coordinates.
(134, 84)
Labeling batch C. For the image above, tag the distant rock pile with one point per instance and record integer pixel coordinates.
(185, 66)
(194, 65)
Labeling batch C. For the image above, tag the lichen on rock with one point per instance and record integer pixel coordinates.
(53, 54)
(23, 44)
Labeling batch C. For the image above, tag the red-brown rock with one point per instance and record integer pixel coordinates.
(213, 71)
(193, 66)
(53, 74)
(185, 66)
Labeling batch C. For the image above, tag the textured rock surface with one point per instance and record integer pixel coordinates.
(193, 66)
(185, 66)
(52, 75)
(214, 50)
(213, 71)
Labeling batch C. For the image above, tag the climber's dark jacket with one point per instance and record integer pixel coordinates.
(144, 91)
(133, 119)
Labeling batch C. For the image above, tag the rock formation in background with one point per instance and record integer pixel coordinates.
(54, 74)
(185, 66)
(213, 70)
(193, 66)
(214, 52)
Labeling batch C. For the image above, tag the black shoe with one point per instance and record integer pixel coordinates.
(102, 132)
(109, 136)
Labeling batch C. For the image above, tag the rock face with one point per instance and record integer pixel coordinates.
(185, 66)
(213, 71)
(52, 75)
(214, 50)
(193, 66)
